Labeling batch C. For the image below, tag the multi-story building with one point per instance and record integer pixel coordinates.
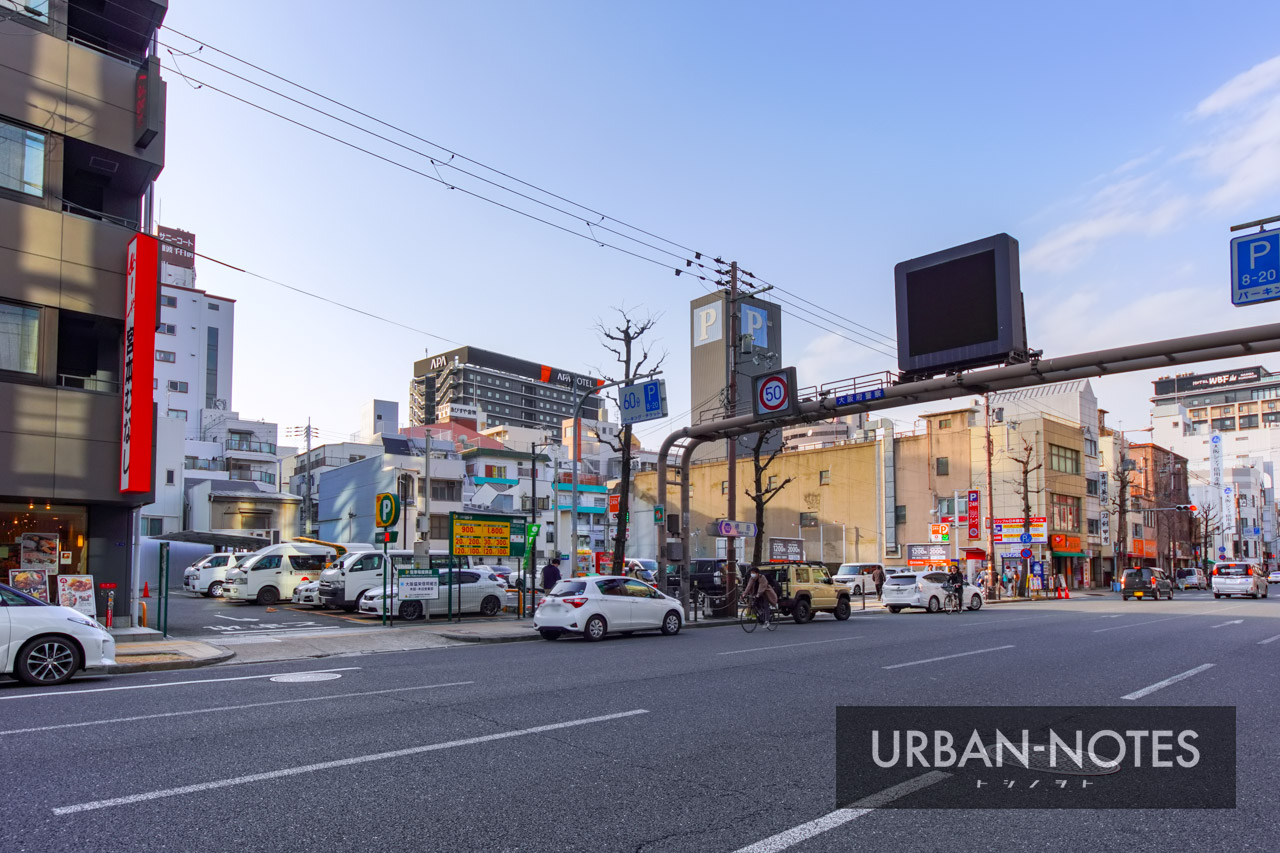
(476, 386)
(301, 473)
(1159, 485)
(347, 494)
(82, 138)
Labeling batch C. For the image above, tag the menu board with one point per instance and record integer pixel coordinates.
(34, 582)
(40, 552)
(76, 592)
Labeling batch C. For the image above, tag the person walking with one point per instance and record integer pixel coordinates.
(877, 576)
(551, 574)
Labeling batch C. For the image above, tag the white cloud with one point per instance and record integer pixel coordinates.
(1242, 90)
(830, 358)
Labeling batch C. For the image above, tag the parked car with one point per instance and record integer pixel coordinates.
(1274, 577)
(926, 590)
(1239, 578)
(272, 573)
(1145, 583)
(46, 644)
(461, 591)
(208, 574)
(357, 572)
(806, 589)
(308, 593)
(857, 577)
(1192, 579)
(594, 606)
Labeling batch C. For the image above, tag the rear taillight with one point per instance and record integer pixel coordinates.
(1215, 571)
(576, 602)
(1153, 581)
(1248, 572)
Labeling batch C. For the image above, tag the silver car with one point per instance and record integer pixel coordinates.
(1239, 578)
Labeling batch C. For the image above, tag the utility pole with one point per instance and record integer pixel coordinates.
(991, 500)
(529, 541)
(955, 528)
(1240, 555)
(730, 404)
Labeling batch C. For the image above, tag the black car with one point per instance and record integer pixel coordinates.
(1145, 583)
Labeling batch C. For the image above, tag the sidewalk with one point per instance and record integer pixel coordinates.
(159, 655)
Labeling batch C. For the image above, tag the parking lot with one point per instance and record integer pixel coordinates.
(193, 616)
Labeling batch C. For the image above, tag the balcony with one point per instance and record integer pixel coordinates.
(255, 476)
(204, 465)
(246, 446)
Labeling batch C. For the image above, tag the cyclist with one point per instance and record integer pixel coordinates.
(760, 593)
(955, 584)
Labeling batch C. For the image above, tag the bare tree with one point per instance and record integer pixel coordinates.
(1022, 486)
(762, 493)
(623, 339)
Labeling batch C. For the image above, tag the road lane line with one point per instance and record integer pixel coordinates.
(1160, 685)
(946, 657)
(45, 695)
(789, 646)
(839, 817)
(1269, 640)
(230, 708)
(330, 765)
(999, 621)
(1232, 622)
(1167, 618)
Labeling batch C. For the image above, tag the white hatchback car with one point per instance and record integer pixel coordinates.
(46, 644)
(1274, 577)
(1239, 578)
(925, 589)
(594, 606)
(308, 593)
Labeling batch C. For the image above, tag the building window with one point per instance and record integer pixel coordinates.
(943, 466)
(1064, 459)
(169, 301)
(1095, 526)
(1223, 411)
(899, 514)
(213, 306)
(19, 337)
(152, 526)
(1065, 512)
(1223, 424)
(824, 478)
(724, 487)
(1091, 486)
(167, 329)
(178, 414)
(168, 477)
(177, 387)
(808, 519)
(771, 483)
(446, 490)
(1091, 446)
(21, 160)
(165, 356)
(1248, 422)
(211, 369)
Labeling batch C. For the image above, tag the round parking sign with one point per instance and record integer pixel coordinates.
(772, 394)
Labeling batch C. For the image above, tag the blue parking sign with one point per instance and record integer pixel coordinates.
(1255, 268)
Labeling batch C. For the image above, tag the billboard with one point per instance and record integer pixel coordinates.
(928, 554)
(141, 306)
(177, 248)
(1011, 530)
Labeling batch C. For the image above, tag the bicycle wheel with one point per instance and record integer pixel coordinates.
(772, 620)
(747, 617)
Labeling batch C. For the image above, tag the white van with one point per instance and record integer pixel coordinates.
(208, 574)
(270, 574)
(1239, 577)
(357, 572)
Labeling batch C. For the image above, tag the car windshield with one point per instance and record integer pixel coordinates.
(649, 565)
(851, 570)
(17, 598)
(902, 580)
(249, 563)
(1232, 569)
(1135, 574)
(1186, 573)
(564, 588)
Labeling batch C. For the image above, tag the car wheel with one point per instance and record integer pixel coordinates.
(548, 634)
(895, 608)
(410, 610)
(1126, 598)
(594, 630)
(490, 606)
(671, 623)
(857, 590)
(215, 589)
(268, 596)
(1216, 595)
(47, 661)
(802, 611)
(975, 603)
(842, 609)
(934, 604)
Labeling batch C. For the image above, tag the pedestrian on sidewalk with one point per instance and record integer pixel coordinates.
(551, 573)
(877, 575)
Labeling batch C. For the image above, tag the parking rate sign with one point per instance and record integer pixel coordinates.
(644, 401)
(1255, 268)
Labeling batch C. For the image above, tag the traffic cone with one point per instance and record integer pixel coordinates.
(1057, 591)
(1066, 593)
(146, 589)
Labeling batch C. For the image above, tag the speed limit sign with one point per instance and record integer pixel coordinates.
(775, 393)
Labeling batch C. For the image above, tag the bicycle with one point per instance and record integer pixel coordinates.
(749, 617)
(951, 603)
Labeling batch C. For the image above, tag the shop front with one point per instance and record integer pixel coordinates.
(1070, 562)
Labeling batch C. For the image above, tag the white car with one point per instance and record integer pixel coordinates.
(46, 644)
(308, 593)
(924, 589)
(474, 592)
(1274, 577)
(1239, 578)
(594, 606)
(857, 577)
(208, 575)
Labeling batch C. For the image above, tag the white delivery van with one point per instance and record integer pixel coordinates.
(208, 574)
(357, 572)
(271, 574)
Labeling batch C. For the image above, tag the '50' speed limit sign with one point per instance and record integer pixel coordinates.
(775, 393)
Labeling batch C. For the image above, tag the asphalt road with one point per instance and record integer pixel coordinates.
(711, 740)
(194, 617)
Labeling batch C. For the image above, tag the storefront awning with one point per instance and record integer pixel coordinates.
(221, 541)
(1069, 554)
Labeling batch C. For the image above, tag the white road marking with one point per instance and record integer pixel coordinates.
(330, 765)
(1225, 624)
(946, 657)
(236, 618)
(839, 817)
(997, 621)
(1160, 685)
(1269, 640)
(230, 708)
(1167, 618)
(44, 695)
(789, 645)
(1112, 616)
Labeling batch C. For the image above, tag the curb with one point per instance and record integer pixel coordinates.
(165, 665)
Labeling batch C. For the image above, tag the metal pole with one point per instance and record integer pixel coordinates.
(533, 512)
(955, 525)
(730, 407)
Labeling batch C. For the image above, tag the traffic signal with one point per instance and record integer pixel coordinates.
(1186, 507)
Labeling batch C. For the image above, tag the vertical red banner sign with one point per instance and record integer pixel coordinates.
(974, 511)
(142, 283)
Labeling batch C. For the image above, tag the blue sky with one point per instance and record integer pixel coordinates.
(816, 143)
